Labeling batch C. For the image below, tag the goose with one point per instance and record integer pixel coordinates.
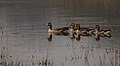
(72, 28)
(102, 32)
(83, 30)
(56, 30)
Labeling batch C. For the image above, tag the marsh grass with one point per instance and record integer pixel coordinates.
(6, 61)
(110, 58)
(11, 63)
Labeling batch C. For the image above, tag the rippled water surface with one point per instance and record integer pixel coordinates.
(23, 36)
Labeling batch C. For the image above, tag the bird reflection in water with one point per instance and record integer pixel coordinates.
(72, 37)
(75, 36)
(49, 37)
(57, 34)
(78, 37)
(98, 36)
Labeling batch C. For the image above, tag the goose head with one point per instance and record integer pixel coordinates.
(49, 25)
(78, 26)
(72, 25)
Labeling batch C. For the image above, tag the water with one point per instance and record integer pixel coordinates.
(23, 35)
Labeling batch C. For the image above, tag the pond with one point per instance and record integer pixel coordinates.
(24, 37)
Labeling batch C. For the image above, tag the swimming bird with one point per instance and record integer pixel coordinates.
(102, 32)
(56, 30)
(72, 28)
(83, 30)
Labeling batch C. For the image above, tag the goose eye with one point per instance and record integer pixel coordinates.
(49, 24)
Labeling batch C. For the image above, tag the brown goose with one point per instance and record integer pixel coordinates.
(72, 28)
(83, 30)
(58, 31)
(102, 32)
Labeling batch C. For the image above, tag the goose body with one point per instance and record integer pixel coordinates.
(56, 30)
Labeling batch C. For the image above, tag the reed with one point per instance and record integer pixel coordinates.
(110, 58)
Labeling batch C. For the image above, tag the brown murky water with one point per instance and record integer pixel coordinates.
(23, 34)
